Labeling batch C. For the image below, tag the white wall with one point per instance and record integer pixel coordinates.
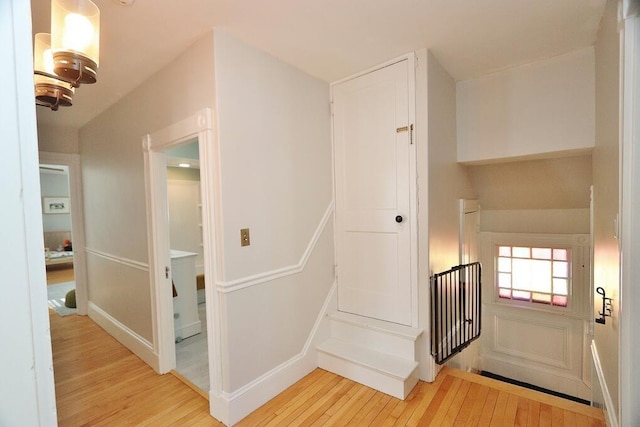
(448, 180)
(113, 182)
(535, 196)
(536, 109)
(441, 182)
(58, 139)
(606, 199)
(27, 394)
(185, 212)
(274, 136)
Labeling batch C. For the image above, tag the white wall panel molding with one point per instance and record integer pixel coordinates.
(239, 403)
(130, 339)
(268, 276)
(556, 335)
(119, 260)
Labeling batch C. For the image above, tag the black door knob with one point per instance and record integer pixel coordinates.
(399, 219)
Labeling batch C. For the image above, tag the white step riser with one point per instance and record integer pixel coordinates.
(396, 345)
(390, 385)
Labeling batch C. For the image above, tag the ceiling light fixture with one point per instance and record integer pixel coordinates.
(69, 55)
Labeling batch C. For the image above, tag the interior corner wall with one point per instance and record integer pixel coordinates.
(448, 180)
(58, 139)
(114, 182)
(441, 183)
(606, 198)
(275, 144)
(531, 110)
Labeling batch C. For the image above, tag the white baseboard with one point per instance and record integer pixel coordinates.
(134, 342)
(610, 411)
(189, 330)
(247, 399)
(230, 408)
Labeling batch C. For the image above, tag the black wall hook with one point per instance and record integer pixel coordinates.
(606, 306)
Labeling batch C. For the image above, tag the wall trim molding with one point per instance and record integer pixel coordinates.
(119, 260)
(610, 411)
(126, 336)
(238, 404)
(268, 276)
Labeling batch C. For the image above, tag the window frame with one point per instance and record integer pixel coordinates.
(578, 293)
(551, 260)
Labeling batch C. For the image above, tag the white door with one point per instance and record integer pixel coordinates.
(372, 137)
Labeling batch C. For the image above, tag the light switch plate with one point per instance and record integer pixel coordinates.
(244, 237)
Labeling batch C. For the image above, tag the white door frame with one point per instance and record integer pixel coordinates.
(72, 161)
(465, 206)
(629, 389)
(27, 393)
(200, 126)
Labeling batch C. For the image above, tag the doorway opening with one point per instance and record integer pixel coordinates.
(187, 262)
(165, 267)
(63, 232)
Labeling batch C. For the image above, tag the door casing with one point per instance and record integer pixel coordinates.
(200, 126)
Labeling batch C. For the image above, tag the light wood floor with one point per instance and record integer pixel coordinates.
(99, 382)
(60, 274)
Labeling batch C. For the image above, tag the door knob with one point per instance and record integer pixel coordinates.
(399, 219)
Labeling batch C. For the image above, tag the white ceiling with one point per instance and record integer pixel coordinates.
(329, 39)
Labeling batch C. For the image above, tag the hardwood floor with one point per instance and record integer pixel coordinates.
(60, 274)
(99, 382)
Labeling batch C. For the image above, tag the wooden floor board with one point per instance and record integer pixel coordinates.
(60, 274)
(101, 383)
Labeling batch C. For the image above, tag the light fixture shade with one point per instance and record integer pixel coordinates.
(75, 39)
(49, 91)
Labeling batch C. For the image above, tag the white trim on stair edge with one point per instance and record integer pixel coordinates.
(241, 402)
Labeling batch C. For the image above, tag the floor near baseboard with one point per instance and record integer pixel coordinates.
(534, 387)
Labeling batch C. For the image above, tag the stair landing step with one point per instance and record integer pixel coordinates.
(377, 325)
(383, 363)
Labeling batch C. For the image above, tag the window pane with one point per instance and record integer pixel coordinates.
(521, 253)
(532, 275)
(541, 253)
(504, 280)
(541, 298)
(504, 251)
(560, 286)
(521, 295)
(504, 293)
(504, 265)
(560, 300)
(560, 255)
(560, 269)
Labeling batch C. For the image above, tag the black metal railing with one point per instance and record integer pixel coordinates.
(455, 310)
